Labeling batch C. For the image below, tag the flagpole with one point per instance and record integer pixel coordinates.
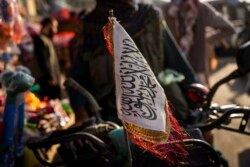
(111, 13)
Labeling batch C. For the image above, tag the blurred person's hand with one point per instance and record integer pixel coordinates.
(81, 116)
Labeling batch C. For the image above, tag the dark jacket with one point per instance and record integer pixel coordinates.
(46, 61)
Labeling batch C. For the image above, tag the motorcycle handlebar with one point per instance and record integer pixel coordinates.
(44, 143)
(227, 114)
(75, 136)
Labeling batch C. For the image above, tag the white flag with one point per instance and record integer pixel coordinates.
(141, 101)
(140, 98)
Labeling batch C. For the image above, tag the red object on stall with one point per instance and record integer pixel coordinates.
(62, 14)
(63, 38)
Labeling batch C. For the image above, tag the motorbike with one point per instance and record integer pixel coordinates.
(104, 143)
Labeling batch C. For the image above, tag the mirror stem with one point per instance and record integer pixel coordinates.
(232, 75)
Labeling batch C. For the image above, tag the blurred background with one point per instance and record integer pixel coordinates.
(234, 147)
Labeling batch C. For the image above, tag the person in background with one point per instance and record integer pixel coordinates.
(47, 73)
(188, 20)
(93, 66)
